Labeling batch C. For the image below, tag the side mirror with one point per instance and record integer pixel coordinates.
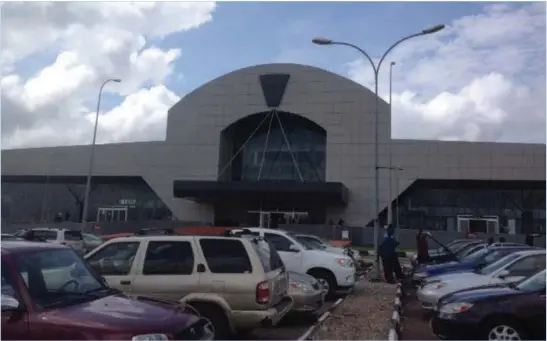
(9, 303)
(294, 248)
(503, 274)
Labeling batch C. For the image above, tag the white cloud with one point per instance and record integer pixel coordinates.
(482, 78)
(92, 42)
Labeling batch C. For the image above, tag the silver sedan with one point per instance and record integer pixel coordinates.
(510, 269)
(307, 293)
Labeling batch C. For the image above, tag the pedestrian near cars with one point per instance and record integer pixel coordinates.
(390, 261)
(490, 241)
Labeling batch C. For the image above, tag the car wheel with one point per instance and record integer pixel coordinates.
(326, 279)
(218, 319)
(503, 329)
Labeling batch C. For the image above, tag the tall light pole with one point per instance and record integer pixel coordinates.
(376, 69)
(389, 207)
(92, 153)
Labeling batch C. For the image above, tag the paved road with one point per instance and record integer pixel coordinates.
(290, 328)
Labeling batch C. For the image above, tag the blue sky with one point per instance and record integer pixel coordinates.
(267, 32)
(480, 79)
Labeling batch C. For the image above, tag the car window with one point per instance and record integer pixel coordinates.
(280, 242)
(472, 250)
(268, 255)
(533, 283)
(527, 266)
(311, 243)
(498, 264)
(73, 235)
(91, 238)
(114, 259)
(47, 235)
(476, 256)
(226, 256)
(56, 277)
(169, 258)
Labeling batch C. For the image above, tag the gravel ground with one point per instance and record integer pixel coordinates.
(363, 315)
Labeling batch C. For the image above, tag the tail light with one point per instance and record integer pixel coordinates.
(262, 293)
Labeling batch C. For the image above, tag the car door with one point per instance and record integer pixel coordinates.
(15, 324)
(168, 270)
(524, 267)
(115, 261)
(292, 259)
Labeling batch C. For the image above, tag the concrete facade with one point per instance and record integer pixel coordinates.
(342, 107)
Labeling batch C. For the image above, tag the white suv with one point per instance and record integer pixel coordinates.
(334, 271)
(72, 238)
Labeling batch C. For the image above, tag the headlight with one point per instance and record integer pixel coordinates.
(455, 308)
(345, 262)
(150, 337)
(305, 287)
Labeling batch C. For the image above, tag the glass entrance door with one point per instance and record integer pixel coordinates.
(112, 214)
(272, 219)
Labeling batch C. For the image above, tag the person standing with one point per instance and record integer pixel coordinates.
(390, 261)
(422, 247)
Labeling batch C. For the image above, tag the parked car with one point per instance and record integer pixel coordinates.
(502, 312)
(307, 293)
(481, 258)
(325, 245)
(334, 271)
(445, 253)
(237, 283)
(510, 269)
(72, 238)
(91, 241)
(50, 293)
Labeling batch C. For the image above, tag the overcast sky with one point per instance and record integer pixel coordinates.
(481, 79)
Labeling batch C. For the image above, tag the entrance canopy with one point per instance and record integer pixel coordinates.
(329, 193)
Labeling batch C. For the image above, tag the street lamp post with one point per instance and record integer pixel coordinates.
(376, 69)
(389, 208)
(92, 153)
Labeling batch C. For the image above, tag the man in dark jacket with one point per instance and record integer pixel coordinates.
(390, 261)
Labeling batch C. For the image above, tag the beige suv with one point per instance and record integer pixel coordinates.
(237, 283)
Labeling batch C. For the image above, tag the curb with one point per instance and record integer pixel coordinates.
(395, 322)
(307, 334)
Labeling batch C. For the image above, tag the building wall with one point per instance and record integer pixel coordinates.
(344, 108)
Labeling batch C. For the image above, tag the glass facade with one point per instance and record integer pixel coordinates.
(279, 149)
(24, 202)
(439, 205)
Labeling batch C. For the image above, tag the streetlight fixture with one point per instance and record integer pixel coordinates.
(376, 69)
(92, 153)
(389, 208)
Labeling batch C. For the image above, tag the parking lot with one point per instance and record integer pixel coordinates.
(414, 325)
(291, 327)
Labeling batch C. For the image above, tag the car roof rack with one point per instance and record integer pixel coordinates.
(155, 232)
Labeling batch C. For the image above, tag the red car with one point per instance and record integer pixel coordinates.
(50, 293)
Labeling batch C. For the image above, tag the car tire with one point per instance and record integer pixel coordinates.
(500, 326)
(218, 318)
(325, 278)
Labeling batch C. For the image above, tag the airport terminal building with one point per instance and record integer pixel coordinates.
(283, 141)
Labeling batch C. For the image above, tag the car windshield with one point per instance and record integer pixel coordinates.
(91, 238)
(498, 264)
(533, 283)
(45, 234)
(466, 250)
(476, 256)
(297, 241)
(310, 242)
(56, 278)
